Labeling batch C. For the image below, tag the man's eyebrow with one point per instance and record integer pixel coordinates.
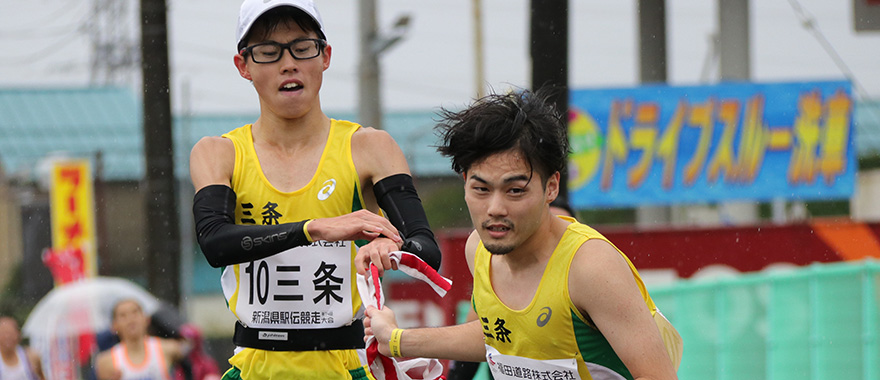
(521, 177)
(478, 179)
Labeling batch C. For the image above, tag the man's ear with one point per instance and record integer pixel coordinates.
(325, 56)
(241, 65)
(552, 190)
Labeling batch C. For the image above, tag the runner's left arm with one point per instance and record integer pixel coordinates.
(618, 309)
(398, 197)
(381, 161)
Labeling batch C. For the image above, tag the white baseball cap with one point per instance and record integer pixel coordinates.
(251, 10)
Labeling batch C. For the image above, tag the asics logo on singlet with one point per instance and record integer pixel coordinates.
(247, 242)
(327, 189)
(545, 316)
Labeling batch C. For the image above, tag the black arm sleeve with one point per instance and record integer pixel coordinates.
(225, 243)
(397, 196)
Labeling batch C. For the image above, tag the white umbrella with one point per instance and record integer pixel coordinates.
(83, 307)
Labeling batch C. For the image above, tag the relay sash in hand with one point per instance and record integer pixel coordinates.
(370, 289)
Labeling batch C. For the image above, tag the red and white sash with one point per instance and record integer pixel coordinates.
(370, 289)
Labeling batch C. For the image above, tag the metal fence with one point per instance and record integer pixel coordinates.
(819, 322)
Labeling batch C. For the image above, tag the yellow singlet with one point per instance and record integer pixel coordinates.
(310, 287)
(550, 338)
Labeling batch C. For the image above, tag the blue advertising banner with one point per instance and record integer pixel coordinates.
(661, 145)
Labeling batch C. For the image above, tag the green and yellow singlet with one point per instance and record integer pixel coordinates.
(550, 338)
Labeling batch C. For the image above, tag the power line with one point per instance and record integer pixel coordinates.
(37, 56)
(711, 59)
(29, 28)
(206, 50)
(809, 23)
(44, 32)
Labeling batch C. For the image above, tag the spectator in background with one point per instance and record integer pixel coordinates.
(167, 323)
(137, 355)
(19, 363)
(197, 365)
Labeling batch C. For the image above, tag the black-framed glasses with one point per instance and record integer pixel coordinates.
(269, 52)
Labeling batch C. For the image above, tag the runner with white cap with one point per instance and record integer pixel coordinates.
(290, 207)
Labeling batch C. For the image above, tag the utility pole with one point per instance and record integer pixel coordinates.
(369, 96)
(372, 45)
(479, 71)
(652, 69)
(734, 50)
(549, 52)
(652, 41)
(733, 40)
(163, 233)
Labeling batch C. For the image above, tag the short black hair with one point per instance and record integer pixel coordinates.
(274, 18)
(523, 120)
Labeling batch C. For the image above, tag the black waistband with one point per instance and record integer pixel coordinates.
(340, 338)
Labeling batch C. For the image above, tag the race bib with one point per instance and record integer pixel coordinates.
(507, 367)
(305, 287)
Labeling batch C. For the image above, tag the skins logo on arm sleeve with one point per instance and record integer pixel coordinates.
(225, 243)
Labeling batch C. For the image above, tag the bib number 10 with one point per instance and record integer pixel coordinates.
(259, 281)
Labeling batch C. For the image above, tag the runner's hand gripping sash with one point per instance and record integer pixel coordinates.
(370, 289)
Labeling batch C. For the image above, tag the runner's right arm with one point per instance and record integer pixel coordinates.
(225, 243)
(462, 342)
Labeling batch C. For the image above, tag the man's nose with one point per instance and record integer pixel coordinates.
(287, 60)
(497, 206)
